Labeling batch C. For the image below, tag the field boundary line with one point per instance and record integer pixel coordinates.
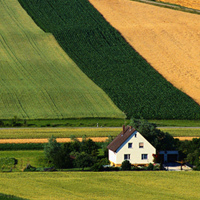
(168, 5)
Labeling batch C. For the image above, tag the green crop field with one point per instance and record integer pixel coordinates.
(102, 185)
(27, 133)
(104, 56)
(38, 80)
(36, 133)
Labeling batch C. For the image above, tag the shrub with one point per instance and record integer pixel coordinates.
(150, 166)
(7, 164)
(25, 146)
(126, 165)
(84, 160)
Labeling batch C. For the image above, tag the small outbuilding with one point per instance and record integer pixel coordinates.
(169, 156)
(130, 145)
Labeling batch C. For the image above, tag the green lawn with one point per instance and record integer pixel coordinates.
(102, 185)
(38, 80)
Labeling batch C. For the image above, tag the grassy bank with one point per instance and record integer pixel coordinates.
(105, 185)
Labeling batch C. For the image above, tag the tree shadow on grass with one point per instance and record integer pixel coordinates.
(6, 196)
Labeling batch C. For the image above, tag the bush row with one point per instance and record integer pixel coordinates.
(18, 146)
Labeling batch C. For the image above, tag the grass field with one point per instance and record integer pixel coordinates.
(104, 55)
(38, 80)
(102, 185)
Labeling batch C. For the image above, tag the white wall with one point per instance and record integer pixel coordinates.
(135, 152)
(112, 156)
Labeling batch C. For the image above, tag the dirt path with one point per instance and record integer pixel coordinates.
(195, 4)
(45, 140)
(169, 40)
(62, 140)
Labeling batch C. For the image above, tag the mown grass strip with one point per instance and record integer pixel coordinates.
(101, 185)
(38, 80)
(104, 56)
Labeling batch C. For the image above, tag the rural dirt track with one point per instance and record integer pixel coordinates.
(62, 140)
(45, 140)
(195, 4)
(168, 39)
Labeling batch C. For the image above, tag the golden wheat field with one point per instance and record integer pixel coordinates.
(168, 39)
(195, 4)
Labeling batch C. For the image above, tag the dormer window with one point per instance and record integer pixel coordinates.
(141, 145)
(130, 145)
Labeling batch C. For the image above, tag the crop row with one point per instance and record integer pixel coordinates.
(105, 57)
(37, 133)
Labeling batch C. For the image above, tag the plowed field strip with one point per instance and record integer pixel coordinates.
(62, 140)
(45, 140)
(169, 40)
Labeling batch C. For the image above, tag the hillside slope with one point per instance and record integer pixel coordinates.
(168, 39)
(37, 79)
(100, 51)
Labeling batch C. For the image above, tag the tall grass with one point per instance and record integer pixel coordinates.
(38, 80)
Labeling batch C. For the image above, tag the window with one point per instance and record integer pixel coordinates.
(144, 156)
(126, 156)
(130, 145)
(136, 135)
(141, 145)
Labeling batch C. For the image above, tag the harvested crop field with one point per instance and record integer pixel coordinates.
(195, 4)
(169, 40)
(63, 140)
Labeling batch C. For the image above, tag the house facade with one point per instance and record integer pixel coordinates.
(130, 145)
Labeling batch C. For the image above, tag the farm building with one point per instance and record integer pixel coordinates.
(130, 145)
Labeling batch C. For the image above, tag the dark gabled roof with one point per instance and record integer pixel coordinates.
(121, 138)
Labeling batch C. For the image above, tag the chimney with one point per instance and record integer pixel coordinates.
(123, 130)
(130, 128)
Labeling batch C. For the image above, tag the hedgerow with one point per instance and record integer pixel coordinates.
(18, 146)
(105, 57)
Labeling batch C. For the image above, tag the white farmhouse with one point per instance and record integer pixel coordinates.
(130, 145)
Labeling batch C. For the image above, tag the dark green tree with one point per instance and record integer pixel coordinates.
(84, 160)
(159, 139)
(89, 147)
